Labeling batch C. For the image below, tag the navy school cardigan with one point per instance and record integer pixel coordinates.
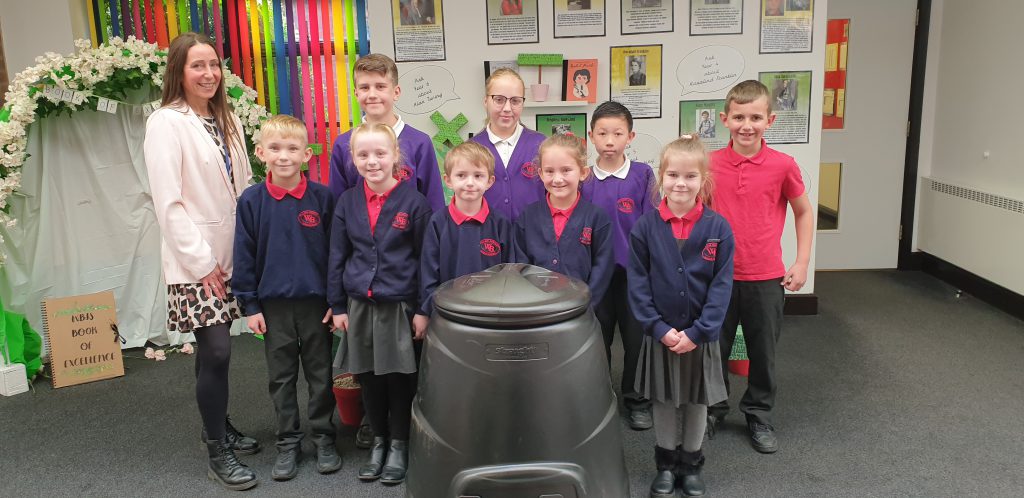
(687, 289)
(387, 261)
(451, 250)
(584, 251)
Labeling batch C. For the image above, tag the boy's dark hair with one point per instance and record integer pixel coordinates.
(583, 71)
(612, 109)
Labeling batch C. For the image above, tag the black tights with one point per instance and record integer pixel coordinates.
(388, 400)
(213, 357)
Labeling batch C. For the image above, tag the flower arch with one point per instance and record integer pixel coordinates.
(89, 80)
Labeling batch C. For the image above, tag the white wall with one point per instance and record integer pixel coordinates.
(976, 111)
(465, 36)
(33, 27)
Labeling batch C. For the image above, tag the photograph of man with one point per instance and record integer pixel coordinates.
(774, 8)
(637, 73)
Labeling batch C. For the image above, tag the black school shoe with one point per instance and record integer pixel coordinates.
(714, 422)
(286, 467)
(762, 437)
(239, 443)
(327, 459)
(640, 419)
(364, 436)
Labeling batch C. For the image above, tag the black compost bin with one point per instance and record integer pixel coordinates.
(514, 395)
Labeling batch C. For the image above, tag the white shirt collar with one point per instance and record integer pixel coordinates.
(512, 140)
(399, 125)
(619, 173)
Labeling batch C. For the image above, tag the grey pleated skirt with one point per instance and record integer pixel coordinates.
(379, 339)
(690, 378)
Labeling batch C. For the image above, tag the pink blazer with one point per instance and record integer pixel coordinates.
(193, 196)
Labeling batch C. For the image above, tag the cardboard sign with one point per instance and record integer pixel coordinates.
(83, 339)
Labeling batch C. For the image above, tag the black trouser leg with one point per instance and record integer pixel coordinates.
(375, 401)
(315, 349)
(761, 316)
(725, 342)
(612, 311)
(213, 359)
(281, 346)
(401, 390)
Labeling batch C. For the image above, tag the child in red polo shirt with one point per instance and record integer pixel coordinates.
(281, 244)
(753, 184)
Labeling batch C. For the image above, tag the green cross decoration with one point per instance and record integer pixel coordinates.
(445, 139)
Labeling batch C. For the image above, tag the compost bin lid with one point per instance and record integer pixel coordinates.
(512, 295)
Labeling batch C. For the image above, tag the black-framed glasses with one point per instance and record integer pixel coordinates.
(500, 100)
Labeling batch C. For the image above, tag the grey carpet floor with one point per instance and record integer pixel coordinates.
(896, 388)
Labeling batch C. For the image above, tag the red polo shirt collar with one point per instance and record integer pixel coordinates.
(278, 193)
(735, 158)
(459, 217)
(370, 194)
(560, 217)
(681, 226)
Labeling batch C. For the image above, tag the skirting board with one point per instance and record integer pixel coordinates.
(800, 304)
(985, 290)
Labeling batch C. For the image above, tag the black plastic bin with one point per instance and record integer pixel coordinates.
(514, 395)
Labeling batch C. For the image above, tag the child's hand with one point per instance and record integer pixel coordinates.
(795, 277)
(340, 322)
(257, 324)
(328, 320)
(685, 345)
(419, 326)
(670, 338)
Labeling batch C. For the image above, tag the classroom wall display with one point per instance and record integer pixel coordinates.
(578, 18)
(716, 17)
(786, 26)
(563, 124)
(418, 30)
(647, 16)
(701, 117)
(425, 88)
(635, 79)
(512, 21)
(709, 69)
(579, 80)
(791, 102)
(833, 108)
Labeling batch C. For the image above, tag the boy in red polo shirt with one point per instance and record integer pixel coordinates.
(752, 185)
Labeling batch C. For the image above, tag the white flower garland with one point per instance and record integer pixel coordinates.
(82, 73)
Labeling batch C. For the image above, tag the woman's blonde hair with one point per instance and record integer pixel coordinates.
(688, 146)
(383, 129)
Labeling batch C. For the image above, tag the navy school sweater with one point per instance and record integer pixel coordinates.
(451, 250)
(687, 289)
(584, 251)
(281, 246)
(386, 261)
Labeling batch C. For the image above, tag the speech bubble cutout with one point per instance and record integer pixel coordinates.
(425, 88)
(644, 148)
(709, 69)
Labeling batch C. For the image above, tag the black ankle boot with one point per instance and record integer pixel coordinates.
(375, 465)
(664, 483)
(240, 443)
(398, 462)
(226, 469)
(690, 465)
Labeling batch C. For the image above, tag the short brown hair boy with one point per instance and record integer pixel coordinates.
(472, 153)
(746, 92)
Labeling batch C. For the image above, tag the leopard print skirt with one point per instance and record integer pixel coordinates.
(189, 307)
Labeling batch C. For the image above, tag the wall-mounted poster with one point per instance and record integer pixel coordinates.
(716, 17)
(833, 107)
(700, 117)
(647, 16)
(492, 66)
(635, 79)
(563, 124)
(578, 18)
(512, 21)
(790, 93)
(579, 80)
(419, 30)
(786, 26)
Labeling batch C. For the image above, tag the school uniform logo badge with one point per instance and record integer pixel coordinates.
(404, 173)
(587, 236)
(710, 251)
(625, 205)
(309, 218)
(401, 221)
(490, 247)
(529, 170)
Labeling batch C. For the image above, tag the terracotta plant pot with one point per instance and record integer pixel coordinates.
(348, 395)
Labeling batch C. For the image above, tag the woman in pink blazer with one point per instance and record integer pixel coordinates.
(198, 166)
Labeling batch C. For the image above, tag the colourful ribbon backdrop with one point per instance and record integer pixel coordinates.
(305, 74)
